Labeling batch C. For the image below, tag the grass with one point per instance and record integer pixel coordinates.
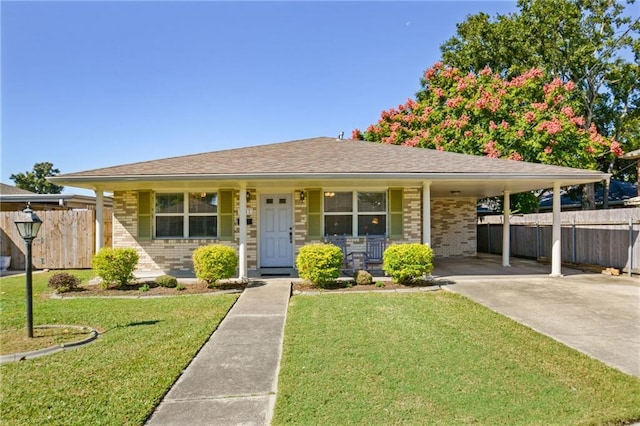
(118, 379)
(436, 358)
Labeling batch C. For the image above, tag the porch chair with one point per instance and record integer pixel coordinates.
(341, 241)
(374, 249)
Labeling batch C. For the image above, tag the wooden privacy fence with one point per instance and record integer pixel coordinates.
(66, 239)
(607, 238)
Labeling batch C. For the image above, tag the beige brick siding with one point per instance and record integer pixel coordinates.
(299, 224)
(412, 215)
(453, 227)
(171, 255)
(453, 230)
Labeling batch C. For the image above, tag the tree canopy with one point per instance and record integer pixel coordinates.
(592, 43)
(36, 180)
(530, 117)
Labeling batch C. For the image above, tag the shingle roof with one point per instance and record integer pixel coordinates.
(324, 155)
(9, 190)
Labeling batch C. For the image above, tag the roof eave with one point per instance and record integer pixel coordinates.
(595, 176)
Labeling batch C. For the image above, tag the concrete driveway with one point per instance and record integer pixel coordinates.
(596, 314)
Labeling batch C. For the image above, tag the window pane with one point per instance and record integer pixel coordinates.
(203, 226)
(169, 226)
(338, 202)
(372, 202)
(203, 202)
(170, 203)
(372, 225)
(338, 225)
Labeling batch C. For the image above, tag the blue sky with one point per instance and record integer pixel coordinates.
(95, 84)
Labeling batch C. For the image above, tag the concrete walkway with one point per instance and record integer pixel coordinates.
(233, 379)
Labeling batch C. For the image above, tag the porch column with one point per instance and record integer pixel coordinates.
(242, 243)
(556, 252)
(426, 213)
(506, 229)
(99, 218)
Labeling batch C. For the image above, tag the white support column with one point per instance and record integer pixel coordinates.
(242, 243)
(556, 248)
(99, 218)
(506, 229)
(426, 213)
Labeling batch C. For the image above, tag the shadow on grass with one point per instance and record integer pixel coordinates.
(138, 323)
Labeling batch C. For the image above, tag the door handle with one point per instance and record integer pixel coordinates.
(290, 235)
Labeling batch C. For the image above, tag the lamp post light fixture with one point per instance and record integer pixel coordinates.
(28, 226)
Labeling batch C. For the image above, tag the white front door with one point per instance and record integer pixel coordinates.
(276, 231)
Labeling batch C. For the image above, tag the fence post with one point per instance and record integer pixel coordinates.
(630, 247)
(573, 241)
(488, 237)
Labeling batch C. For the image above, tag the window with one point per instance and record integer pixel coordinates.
(366, 212)
(195, 218)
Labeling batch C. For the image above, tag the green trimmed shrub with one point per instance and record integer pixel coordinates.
(214, 262)
(167, 281)
(63, 282)
(180, 287)
(319, 263)
(115, 265)
(363, 278)
(406, 262)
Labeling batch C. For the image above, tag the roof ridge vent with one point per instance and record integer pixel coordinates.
(340, 136)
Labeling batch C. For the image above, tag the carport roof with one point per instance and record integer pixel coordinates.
(321, 159)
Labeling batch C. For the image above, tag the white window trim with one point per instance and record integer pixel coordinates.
(185, 215)
(354, 209)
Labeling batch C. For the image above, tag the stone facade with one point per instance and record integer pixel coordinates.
(453, 230)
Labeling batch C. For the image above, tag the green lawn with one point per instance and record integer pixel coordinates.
(436, 358)
(116, 380)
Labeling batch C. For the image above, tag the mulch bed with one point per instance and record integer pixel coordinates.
(136, 290)
(350, 286)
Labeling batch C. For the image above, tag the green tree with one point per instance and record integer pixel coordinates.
(589, 42)
(36, 180)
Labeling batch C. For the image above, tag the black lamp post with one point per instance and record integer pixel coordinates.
(28, 226)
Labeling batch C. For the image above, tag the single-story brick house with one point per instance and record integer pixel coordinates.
(270, 200)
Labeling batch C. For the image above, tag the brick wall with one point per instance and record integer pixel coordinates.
(170, 255)
(453, 230)
(412, 215)
(453, 227)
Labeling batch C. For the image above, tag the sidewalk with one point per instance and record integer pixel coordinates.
(233, 379)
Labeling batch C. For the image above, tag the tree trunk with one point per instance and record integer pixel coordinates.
(588, 196)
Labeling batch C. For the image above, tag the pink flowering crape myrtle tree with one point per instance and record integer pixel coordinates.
(529, 117)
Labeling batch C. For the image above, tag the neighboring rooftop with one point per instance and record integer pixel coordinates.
(13, 198)
(13, 190)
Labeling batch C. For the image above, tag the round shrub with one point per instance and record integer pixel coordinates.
(406, 262)
(363, 278)
(167, 281)
(63, 282)
(319, 263)
(214, 262)
(115, 265)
